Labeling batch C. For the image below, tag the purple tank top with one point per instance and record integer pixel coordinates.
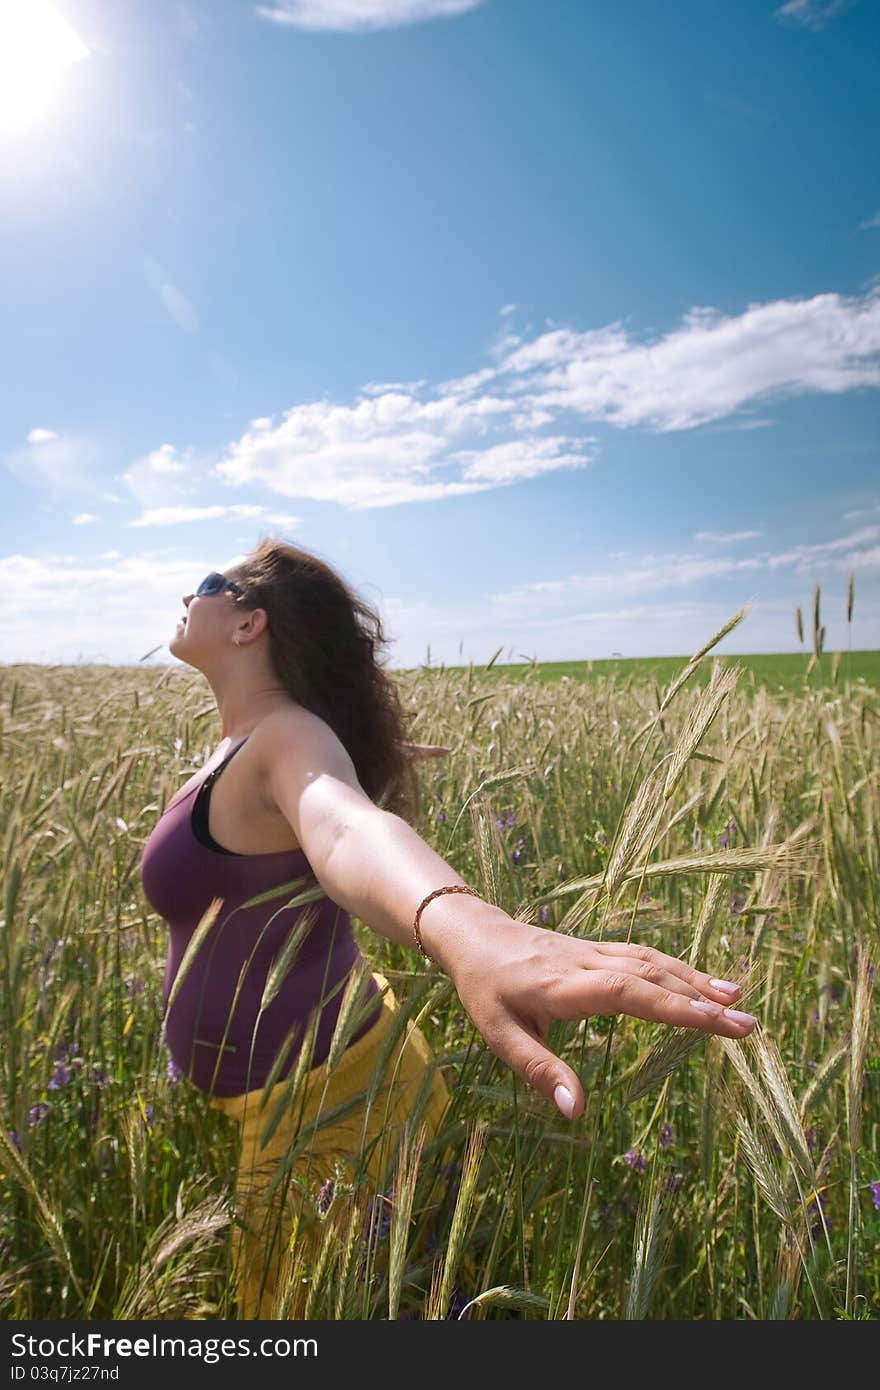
(180, 876)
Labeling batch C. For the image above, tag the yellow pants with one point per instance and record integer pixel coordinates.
(280, 1233)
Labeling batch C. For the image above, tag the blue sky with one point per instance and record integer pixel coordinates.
(554, 327)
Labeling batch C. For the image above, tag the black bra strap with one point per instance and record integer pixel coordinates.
(215, 772)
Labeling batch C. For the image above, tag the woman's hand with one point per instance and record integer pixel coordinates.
(426, 750)
(515, 979)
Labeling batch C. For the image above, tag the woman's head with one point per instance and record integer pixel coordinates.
(291, 615)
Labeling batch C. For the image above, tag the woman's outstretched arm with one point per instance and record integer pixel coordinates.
(512, 978)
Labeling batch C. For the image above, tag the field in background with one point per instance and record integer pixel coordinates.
(779, 671)
(705, 1180)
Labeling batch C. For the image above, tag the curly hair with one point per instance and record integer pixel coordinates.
(323, 642)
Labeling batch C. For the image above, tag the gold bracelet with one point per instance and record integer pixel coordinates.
(453, 888)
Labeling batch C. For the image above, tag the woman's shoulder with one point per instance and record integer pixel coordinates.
(276, 728)
(286, 729)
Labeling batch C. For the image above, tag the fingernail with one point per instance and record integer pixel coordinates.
(705, 1007)
(564, 1099)
(739, 1017)
(723, 984)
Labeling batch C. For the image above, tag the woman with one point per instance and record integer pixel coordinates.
(317, 790)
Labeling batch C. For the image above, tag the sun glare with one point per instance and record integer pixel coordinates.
(36, 45)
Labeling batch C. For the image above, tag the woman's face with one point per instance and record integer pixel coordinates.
(208, 622)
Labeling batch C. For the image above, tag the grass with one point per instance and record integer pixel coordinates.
(782, 672)
(737, 825)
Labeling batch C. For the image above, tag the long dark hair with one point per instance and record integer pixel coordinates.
(324, 640)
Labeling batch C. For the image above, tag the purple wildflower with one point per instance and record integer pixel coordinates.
(543, 914)
(60, 1076)
(148, 1115)
(38, 1112)
(325, 1196)
(99, 1077)
(13, 1134)
(822, 1221)
(517, 853)
(635, 1159)
(723, 841)
(458, 1301)
(172, 1071)
(674, 1182)
(875, 1195)
(666, 1136)
(65, 1051)
(441, 816)
(379, 1214)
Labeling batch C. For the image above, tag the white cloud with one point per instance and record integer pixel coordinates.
(507, 309)
(68, 608)
(361, 15)
(382, 451)
(284, 519)
(862, 511)
(162, 460)
(813, 14)
(671, 570)
(83, 519)
(520, 459)
(379, 388)
(65, 608)
(724, 537)
(845, 553)
(174, 516)
(398, 443)
(871, 222)
(61, 464)
(648, 574)
(712, 366)
(160, 476)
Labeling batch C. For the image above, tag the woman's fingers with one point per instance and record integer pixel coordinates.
(654, 973)
(594, 991)
(519, 1045)
(723, 990)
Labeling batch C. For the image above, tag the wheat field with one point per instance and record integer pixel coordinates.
(706, 1179)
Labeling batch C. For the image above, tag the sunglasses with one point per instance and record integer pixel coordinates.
(215, 583)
